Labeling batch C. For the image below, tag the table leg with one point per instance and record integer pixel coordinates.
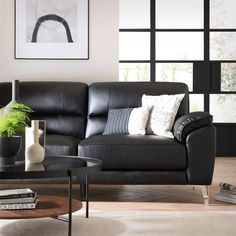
(87, 195)
(70, 203)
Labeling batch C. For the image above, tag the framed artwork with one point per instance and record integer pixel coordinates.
(51, 29)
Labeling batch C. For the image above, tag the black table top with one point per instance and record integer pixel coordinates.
(51, 167)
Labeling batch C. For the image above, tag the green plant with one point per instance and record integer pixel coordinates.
(13, 119)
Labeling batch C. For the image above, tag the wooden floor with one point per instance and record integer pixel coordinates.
(154, 198)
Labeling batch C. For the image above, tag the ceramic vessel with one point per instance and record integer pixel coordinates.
(34, 152)
(34, 167)
(9, 148)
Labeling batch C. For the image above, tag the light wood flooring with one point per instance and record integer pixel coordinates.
(154, 197)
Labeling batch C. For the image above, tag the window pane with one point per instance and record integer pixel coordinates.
(134, 72)
(175, 72)
(134, 14)
(223, 107)
(222, 14)
(196, 102)
(134, 46)
(223, 45)
(179, 46)
(228, 77)
(179, 14)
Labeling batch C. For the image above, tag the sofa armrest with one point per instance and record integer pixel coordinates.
(190, 122)
(201, 151)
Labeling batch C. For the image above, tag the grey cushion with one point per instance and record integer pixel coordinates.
(117, 121)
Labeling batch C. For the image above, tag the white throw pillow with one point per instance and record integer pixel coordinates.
(138, 120)
(162, 114)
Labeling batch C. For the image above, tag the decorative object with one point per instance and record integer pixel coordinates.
(18, 199)
(29, 134)
(163, 113)
(138, 120)
(11, 122)
(117, 121)
(35, 153)
(15, 92)
(34, 166)
(9, 148)
(51, 29)
(227, 193)
(127, 121)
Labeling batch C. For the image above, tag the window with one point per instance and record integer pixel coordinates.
(174, 39)
(134, 17)
(228, 76)
(222, 14)
(190, 41)
(223, 46)
(179, 46)
(223, 107)
(222, 104)
(179, 14)
(135, 38)
(134, 72)
(134, 46)
(175, 72)
(196, 102)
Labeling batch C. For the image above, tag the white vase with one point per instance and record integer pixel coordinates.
(34, 166)
(34, 152)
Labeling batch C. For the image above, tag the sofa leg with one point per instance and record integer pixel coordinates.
(205, 194)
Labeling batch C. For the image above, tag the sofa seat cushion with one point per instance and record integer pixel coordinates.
(134, 152)
(61, 145)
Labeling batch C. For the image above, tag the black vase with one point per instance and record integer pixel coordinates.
(9, 148)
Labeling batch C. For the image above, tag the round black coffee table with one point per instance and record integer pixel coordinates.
(51, 167)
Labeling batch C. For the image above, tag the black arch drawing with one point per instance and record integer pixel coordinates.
(52, 17)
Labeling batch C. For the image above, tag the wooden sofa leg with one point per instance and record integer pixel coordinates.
(205, 194)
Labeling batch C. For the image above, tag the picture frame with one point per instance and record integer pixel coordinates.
(52, 29)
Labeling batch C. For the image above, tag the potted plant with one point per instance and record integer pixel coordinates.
(13, 119)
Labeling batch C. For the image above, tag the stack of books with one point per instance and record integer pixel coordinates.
(17, 199)
(227, 193)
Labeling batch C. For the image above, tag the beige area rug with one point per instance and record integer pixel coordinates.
(132, 223)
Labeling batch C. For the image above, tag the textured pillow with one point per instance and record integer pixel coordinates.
(163, 112)
(117, 121)
(138, 120)
(187, 123)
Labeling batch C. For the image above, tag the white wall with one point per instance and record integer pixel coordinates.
(103, 63)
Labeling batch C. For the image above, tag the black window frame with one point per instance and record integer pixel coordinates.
(206, 72)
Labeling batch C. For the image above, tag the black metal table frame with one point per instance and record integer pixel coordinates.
(69, 219)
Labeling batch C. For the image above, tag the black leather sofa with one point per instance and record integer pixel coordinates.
(76, 115)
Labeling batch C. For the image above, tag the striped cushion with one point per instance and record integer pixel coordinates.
(117, 121)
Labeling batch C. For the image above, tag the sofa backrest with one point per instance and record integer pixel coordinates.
(62, 104)
(103, 96)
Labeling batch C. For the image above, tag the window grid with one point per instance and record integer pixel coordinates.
(206, 86)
